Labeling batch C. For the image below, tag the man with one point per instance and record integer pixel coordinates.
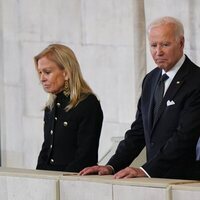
(170, 129)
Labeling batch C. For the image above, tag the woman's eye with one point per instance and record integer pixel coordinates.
(47, 72)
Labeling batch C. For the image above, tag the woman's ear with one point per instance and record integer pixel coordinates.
(66, 76)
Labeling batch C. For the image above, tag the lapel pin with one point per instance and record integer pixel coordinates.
(177, 82)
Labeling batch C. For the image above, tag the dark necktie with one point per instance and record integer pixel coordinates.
(158, 95)
(198, 150)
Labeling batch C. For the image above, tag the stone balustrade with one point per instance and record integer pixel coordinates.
(26, 184)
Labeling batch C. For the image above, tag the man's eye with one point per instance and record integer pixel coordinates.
(166, 45)
(153, 45)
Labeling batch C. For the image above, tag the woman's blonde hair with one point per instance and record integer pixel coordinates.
(65, 58)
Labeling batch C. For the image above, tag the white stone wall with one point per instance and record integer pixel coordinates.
(108, 38)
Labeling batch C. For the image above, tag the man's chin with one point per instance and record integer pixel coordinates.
(161, 66)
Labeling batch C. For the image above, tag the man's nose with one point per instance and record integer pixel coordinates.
(159, 50)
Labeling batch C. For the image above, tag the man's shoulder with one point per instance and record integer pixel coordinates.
(153, 73)
(191, 64)
(192, 68)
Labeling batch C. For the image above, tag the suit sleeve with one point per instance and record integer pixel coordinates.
(129, 148)
(133, 143)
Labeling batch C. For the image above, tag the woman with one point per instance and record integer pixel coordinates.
(72, 114)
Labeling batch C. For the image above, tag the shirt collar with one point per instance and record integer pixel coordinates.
(172, 72)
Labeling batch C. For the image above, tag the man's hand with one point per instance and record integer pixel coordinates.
(100, 170)
(130, 172)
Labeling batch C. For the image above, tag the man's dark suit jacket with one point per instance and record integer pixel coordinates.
(171, 140)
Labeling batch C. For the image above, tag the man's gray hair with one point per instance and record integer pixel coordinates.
(179, 30)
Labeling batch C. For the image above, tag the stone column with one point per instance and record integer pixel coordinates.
(139, 45)
(1, 75)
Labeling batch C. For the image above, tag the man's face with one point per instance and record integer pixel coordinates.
(166, 49)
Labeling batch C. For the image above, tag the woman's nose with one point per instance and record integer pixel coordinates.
(42, 77)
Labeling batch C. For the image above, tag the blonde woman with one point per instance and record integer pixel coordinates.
(72, 114)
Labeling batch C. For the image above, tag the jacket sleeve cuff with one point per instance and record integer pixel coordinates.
(145, 172)
(111, 167)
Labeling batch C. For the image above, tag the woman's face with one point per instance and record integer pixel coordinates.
(51, 76)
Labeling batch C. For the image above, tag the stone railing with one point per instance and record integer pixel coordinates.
(24, 184)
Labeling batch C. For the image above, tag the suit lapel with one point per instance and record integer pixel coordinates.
(151, 104)
(173, 89)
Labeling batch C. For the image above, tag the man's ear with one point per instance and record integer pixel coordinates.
(182, 41)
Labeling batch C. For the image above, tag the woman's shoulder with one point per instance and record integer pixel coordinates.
(91, 106)
(90, 99)
(89, 102)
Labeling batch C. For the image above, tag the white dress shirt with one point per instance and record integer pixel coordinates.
(172, 72)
